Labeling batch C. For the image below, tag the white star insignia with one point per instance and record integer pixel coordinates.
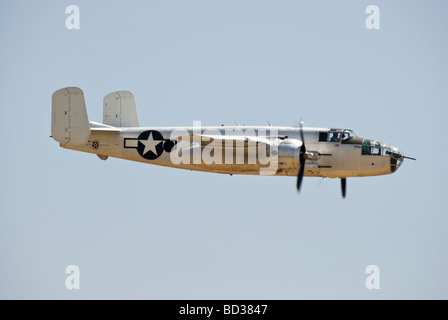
(150, 144)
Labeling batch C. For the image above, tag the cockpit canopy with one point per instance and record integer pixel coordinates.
(337, 135)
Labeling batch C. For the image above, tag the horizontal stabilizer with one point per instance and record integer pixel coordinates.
(119, 109)
(69, 121)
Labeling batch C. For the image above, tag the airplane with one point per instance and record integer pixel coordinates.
(253, 150)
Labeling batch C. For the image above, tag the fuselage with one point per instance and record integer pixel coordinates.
(251, 150)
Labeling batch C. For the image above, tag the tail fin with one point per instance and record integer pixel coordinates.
(69, 121)
(119, 109)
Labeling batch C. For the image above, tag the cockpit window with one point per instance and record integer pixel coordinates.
(348, 134)
(336, 135)
(323, 136)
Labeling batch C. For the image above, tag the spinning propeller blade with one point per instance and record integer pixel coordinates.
(344, 187)
(302, 159)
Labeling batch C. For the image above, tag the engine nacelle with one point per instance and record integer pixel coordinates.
(288, 156)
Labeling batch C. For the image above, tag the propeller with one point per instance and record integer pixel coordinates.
(302, 158)
(344, 187)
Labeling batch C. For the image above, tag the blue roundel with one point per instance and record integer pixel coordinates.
(150, 144)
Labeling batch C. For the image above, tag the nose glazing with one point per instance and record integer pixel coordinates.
(396, 157)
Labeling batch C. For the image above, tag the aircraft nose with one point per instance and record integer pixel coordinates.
(396, 158)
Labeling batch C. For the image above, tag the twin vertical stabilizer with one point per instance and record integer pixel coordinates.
(119, 109)
(69, 120)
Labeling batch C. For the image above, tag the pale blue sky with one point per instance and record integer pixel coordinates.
(148, 232)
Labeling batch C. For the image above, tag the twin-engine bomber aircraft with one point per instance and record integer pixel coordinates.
(267, 150)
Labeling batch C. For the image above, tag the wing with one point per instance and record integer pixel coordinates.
(235, 141)
(100, 127)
